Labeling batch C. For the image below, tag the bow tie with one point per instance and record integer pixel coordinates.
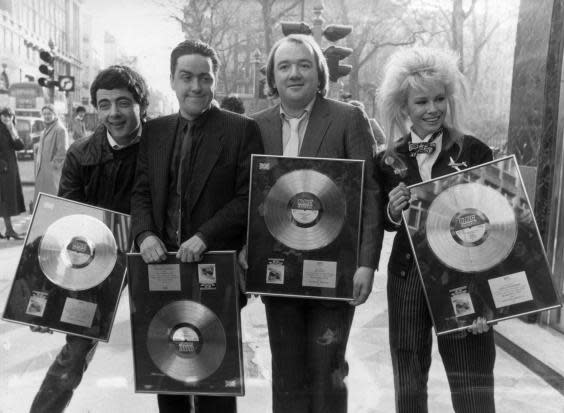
(421, 147)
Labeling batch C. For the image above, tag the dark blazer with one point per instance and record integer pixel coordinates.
(464, 148)
(337, 130)
(220, 180)
(93, 175)
(11, 195)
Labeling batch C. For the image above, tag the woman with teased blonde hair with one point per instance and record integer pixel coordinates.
(422, 100)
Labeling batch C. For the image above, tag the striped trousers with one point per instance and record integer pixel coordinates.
(468, 359)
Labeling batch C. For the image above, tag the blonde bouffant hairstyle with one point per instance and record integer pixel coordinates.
(419, 68)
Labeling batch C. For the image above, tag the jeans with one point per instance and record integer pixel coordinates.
(64, 375)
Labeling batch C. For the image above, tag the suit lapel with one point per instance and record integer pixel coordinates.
(160, 156)
(208, 154)
(161, 150)
(272, 134)
(411, 163)
(319, 122)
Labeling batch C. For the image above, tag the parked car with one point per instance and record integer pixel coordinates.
(29, 130)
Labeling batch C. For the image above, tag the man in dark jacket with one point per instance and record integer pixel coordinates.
(192, 181)
(98, 171)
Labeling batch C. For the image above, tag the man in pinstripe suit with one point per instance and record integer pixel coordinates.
(308, 337)
(192, 179)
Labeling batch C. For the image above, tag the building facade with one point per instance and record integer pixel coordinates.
(29, 26)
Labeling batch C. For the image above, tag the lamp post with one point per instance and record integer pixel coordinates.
(256, 60)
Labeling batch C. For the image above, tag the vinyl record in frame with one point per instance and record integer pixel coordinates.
(71, 270)
(304, 226)
(477, 247)
(185, 325)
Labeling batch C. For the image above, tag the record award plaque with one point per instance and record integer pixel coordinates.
(477, 247)
(71, 270)
(186, 326)
(304, 226)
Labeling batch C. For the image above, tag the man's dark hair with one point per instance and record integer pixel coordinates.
(122, 77)
(233, 104)
(80, 109)
(193, 47)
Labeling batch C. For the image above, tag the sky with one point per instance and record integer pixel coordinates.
(144, 29)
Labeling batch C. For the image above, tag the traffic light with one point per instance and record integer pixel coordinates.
(334, 54)
(334, 32)
(295, 28)
(47, 68)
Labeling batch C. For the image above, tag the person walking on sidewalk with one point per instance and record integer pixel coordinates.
(11, 195)
(424, 87)
(99, 171)
(78, 127)
(51, 152)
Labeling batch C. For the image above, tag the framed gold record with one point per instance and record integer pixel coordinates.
(477, 247)
(71, 270)
(304, 226)
(185, 325)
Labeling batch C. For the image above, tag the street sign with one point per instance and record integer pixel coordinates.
(66, 83)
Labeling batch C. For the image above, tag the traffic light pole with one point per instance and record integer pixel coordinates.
(318, 22)
(48, 69)
(334, 54)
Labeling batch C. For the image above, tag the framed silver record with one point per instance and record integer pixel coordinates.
(186, 325)
(304, 226)
(71, 270)
(477, 247)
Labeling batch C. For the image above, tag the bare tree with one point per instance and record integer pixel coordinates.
(377, 25)
(270, 16)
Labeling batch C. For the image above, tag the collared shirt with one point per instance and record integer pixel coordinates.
(116, 146)
(426, 161)
(304, 120)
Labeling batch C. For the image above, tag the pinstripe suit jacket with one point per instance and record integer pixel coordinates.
(462, 149)
(337, 130)
(218, 194)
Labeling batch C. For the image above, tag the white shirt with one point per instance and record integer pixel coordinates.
(425, 161)
(303, 122)
(116, 146)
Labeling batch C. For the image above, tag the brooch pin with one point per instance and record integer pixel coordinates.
(397, 167)
(457, 165)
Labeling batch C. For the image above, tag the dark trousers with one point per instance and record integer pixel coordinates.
(64, 375)
(468, 359)
(308, 339)
(178, 403)
(171, 403)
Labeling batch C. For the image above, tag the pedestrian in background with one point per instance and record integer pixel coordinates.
(425, 89)
(78, 127)
(233, 104)
(11, 196)
(51, 152)
(377, 130)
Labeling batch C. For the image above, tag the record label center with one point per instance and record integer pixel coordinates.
(305, 209)
(469, 227)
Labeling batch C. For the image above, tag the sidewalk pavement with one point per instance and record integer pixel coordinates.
(108, 383)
